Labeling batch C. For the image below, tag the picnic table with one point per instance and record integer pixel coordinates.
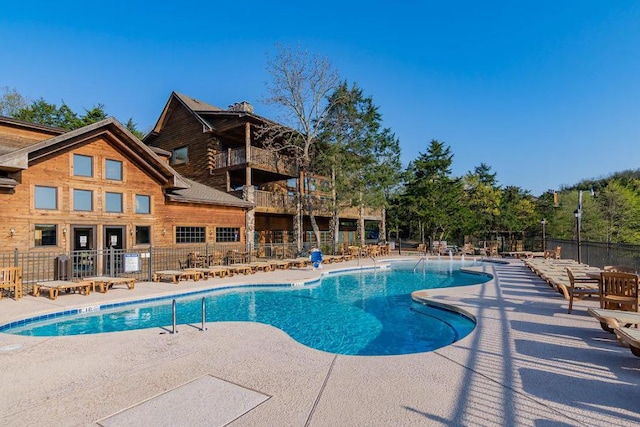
(55, 286)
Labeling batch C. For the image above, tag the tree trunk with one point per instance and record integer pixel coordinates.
(383, 226)
(298, 224)
(312, 217)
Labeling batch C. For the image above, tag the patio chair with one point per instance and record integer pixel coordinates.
(580, 286)
(619, 291)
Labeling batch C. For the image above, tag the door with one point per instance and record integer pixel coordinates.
(114, 249)
(83, 250)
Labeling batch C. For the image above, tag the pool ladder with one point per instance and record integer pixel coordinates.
(174, 317)
(422, 259)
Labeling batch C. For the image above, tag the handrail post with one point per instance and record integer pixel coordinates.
(204, 314)
(173, 317)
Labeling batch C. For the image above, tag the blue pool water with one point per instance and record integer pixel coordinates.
(368, 312)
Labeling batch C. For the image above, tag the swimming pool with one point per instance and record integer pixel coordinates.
(367, 312)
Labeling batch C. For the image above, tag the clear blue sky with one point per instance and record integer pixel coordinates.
(547, 93)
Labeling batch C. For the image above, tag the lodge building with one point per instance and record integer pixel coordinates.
(99, 187)
(221, 148)
(202, 175)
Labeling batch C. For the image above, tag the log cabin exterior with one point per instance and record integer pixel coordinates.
(98, 187)
(221, 148)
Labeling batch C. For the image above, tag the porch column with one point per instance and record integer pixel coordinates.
(247, 149)
(248, 194)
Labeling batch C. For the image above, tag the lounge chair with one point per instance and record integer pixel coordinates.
(579, 285)
(619, 269)
(55, 286)
(630, 337)
(613, 319)
(619, 291)
(176, 275)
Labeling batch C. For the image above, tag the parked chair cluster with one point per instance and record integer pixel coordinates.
(616, 287)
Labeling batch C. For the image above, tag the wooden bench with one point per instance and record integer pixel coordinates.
(11, 279)
(105, 283)
(55, 286)
(176, 275)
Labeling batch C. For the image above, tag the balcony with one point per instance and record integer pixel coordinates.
(281, 203)
(261, 159)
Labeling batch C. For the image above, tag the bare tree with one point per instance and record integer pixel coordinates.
(300, 86)
(11, 102)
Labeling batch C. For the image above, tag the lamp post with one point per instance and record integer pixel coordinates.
(578, 214)
(544, 223)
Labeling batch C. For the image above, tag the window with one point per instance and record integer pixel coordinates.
(180, 156)
(190, 234)
(82, 200)
(113, 170)
(143, 235)
(143, 204)
(113, 202)
(46, 235)
(82, 165)
(45, 197)
(227, 234)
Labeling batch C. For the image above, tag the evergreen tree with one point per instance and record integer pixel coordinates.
(434, 196)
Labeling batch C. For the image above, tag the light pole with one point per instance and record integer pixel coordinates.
(544, 223)
(578, 214)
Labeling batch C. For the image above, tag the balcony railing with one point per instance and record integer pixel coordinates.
(271, 202)
(260, 159)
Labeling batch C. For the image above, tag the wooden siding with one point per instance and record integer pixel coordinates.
(183, 129)
(17, 136)
(19, 213)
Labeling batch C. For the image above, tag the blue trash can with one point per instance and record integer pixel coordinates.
(316, 257)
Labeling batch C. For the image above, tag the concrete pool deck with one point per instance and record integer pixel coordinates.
(528, 363)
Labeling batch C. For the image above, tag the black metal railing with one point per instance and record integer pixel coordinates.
(140, 263)
(599, 254)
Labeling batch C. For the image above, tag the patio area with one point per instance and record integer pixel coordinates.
(528, 363)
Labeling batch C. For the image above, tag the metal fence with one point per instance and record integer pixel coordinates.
(140, 263)
(599, 254)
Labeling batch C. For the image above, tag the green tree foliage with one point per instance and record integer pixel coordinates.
(362, 160)
(433, 196)
(44, 113)
(483, 199)
(12, 104)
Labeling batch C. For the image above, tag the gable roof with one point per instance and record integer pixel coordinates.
(200, 193)
(177, 187)
(203, 112)
(113, 131)
(194, 105)
(26, 133)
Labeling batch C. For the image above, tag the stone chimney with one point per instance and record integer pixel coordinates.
(241, 107)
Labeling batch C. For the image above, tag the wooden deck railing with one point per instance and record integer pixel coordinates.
(260, 158)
